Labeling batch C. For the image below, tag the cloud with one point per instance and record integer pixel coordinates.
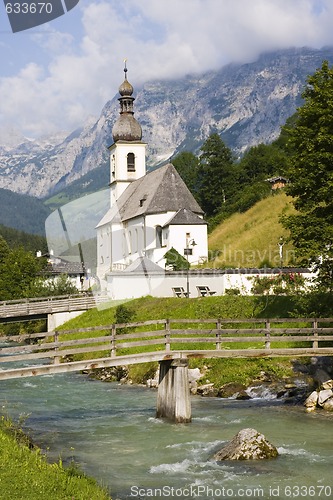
(80, 70)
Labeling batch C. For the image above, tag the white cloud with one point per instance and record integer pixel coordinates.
(161, 39)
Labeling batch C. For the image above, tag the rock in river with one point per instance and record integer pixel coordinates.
(248, 444)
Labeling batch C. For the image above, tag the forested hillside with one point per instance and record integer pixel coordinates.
(23, 212)
(30, 242)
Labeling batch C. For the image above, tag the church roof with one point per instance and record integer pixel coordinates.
(185, 216)
(162, 190)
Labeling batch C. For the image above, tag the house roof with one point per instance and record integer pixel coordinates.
(277, 179)
(159, 191)
(143, 265)
(185, 216)
(62, 266)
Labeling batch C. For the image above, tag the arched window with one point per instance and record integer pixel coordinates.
(159, 239)
(130, 162)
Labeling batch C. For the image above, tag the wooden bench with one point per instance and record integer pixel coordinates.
(178, 291)
(204, 290)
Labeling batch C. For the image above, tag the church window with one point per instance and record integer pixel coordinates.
(135, 241)
(129, 242)
(130, 162)
(159, 239)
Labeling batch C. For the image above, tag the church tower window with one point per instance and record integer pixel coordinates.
(130, 162)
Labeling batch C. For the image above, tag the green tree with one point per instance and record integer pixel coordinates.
(4, 249)
(18, 270)
(187, 165)
(175, 260)
(218, 175)
(45, 287)
(262, 161)
(311, 174)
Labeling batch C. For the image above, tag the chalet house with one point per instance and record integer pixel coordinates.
(149, 212)
(278, 182)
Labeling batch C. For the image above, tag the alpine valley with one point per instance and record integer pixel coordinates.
(245, 103)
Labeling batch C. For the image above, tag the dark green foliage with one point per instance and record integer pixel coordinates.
(4, 249)
(218, 175)
(311, 174)
(18, 270)
(123, 314)
(16, 238)
(261, 162)
(187, 165)
(175, 260)
(44, 287)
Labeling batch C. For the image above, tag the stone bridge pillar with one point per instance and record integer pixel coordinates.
(173, 397)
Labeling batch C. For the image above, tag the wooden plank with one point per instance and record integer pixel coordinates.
(85, 365)
(185, 340)
(55, 354)
(137, 335)
(142, 343)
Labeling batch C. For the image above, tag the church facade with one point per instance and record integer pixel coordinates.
(150, 212)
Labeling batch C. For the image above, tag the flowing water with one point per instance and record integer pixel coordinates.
(112, 432)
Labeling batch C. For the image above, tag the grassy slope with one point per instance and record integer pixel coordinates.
(24, 473)
(251, 238)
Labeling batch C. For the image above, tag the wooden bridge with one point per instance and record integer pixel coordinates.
(44, 307)
(170, 342)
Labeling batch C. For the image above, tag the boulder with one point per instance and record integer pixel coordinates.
(194, 375)
(312, 400)
(324, 396)
(248, 444)
(327, 385)
(207, 390)
(328, 405)
(232, 389)
(320, 376)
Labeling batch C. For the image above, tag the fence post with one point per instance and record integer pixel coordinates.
(167, 335)
(218, 335)
(268, 334)
(56, 359)
(113, 341)
(315, 334)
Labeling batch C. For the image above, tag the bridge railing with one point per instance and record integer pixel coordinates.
(206, 338)
(47, 305)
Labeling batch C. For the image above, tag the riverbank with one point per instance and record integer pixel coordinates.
(289, 380)
(25, 472)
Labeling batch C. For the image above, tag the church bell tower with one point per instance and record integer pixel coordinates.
(128, 152)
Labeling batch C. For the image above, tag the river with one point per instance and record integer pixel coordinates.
(111, 431)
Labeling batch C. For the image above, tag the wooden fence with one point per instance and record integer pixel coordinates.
(187, 337)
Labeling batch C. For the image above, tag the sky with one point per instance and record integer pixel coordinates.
(53, 77)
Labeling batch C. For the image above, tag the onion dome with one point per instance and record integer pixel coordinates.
(126, 127)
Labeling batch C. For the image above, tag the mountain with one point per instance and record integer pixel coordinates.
(245, 103)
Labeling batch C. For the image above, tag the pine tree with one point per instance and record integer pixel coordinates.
(311, 173)
(218, 178)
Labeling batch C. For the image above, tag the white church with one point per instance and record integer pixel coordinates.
(149, 213)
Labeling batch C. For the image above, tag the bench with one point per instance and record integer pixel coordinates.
(204, 290)
(178, 291)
